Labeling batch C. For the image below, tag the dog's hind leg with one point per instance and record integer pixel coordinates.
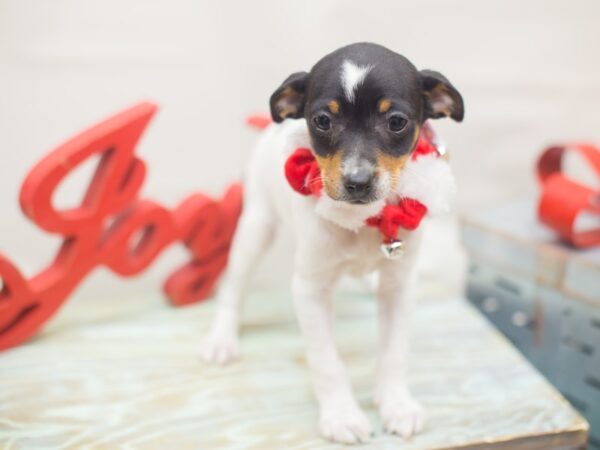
(254, 233)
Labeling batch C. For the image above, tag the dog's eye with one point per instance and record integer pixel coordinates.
(397, 123)
(322, 122)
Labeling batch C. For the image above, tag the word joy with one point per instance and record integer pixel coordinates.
(111, 227)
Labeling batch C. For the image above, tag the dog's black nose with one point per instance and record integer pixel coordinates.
(359, 184)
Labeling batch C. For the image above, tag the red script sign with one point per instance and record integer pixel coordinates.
(112, 227)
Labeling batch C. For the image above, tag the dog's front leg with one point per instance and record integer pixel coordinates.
(340, 417)
(400, 412)
(253, 235)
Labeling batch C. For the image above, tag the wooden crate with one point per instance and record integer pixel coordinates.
(543, 295)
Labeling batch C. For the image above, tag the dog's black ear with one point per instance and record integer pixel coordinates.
(289, 98)
(441, 99)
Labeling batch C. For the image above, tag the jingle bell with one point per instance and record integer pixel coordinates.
(393, 249)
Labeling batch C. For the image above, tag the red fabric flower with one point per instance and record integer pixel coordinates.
(424, 147)
(303, 173)
(406, 214)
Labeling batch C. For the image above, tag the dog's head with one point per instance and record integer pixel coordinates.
(364, 106)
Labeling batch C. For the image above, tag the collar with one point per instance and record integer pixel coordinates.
(304, 176)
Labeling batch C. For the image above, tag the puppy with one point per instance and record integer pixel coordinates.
(360, 110)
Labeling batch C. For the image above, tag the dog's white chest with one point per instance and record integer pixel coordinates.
(359, 252)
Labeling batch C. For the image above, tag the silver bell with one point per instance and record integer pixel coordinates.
(393, 249)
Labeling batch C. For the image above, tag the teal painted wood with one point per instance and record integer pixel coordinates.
(543, 295)
(511, 238)
(560, 336)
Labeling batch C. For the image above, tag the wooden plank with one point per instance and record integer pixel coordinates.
(123, 372)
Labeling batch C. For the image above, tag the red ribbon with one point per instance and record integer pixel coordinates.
(563, 200)
(304, 176)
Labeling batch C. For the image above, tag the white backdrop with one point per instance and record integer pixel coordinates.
(529, 72)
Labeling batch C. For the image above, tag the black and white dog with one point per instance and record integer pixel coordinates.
(360, 110)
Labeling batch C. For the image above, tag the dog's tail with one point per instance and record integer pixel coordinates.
(259, 121)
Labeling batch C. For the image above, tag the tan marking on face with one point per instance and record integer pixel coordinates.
(385, 105)
(392, 165)
(334, 107)
(331, 173)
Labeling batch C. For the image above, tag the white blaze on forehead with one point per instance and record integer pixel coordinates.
(352, 76)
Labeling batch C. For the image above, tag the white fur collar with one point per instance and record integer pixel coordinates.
(428, 179)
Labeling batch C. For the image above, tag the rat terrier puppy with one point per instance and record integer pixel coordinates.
(360, 110)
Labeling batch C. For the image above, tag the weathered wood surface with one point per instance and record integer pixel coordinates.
(123, 373)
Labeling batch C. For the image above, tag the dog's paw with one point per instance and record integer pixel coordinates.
(220, 348)
(402, 415)
(346, 424)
